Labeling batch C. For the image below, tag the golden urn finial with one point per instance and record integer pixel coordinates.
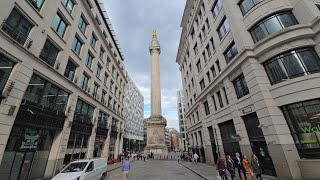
(154, 34)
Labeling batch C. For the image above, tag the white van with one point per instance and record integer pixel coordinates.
(86, 169)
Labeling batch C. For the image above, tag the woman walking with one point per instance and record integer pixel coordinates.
(230, 167)
(221, 167)
(247, 168)
(255, 164)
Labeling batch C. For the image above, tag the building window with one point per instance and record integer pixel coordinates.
(209, 77)
(46, 95)
(214, 102)
(83, 112)
(68, 4)
(204, 57)
(202, 84)
(231, 52)
(223, 28)
(220, 99)
(36, 4)
(225, 94)
(93, 41)
(216, 8)
(95, 90)
(98, 71)
(76, 45)
(246, 5)
(199, 66)
(6, 66)
(70, 70)
(195, 49)
(206, 108)
(17, 27)
(192, 34)
(111, 84)
(271, 25)
(84, 82)
(82, 24)
(212, 43)
(218, 65)
(208, 50)
(204, 31)
(107, 62)
(59, 25)
(303, 120)
(89, 60)
(240, 86)
(101, 53)
(292, 64)
(112, 71)
(49, 53)
(105, 79)
(227, 130)
(213, 71)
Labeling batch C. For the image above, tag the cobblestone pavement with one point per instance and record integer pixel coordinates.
(155, 170)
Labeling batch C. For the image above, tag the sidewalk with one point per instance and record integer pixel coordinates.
(209, 172)
(206, 171)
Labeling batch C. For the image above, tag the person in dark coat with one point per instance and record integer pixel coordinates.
(230, 167)
(255, 165)
(238, 164)
(221, 167)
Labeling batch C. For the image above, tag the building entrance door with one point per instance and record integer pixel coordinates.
(258, 144)
(21, 166)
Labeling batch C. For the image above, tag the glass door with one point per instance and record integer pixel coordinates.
(21, 166)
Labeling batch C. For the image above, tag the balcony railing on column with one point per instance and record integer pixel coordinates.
(83, 119)
(16, 34)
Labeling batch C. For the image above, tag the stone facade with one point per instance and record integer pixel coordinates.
(62, 86)
(133, 112)
(182, 122)
(230, 54)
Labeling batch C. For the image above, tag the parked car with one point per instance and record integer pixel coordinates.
(86, 169)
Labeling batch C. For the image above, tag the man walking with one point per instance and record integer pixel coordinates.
(195, 158)
(238, 164)
(126, 166)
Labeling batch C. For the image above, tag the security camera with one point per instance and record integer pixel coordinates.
(260, 125)
(29, 110)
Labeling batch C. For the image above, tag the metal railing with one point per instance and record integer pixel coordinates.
(49, 59)
(16, 34)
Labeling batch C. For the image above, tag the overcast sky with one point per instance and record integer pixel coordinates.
(133, 22)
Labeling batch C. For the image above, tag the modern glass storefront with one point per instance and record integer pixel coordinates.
(40, 117)
(304, 122)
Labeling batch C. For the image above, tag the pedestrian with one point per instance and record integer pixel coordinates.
(238, 164)
(221, 167)
(255, 164)
(126, 166)
(247, 168)
(144, 157)
(195, 158)
(230, 167)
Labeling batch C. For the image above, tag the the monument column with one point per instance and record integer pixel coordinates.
(156, 122)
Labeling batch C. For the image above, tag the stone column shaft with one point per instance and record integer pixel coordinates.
(155, 83)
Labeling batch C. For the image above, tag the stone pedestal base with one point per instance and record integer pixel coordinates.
(156, 135)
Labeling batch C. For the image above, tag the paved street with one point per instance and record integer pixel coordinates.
(156, 170)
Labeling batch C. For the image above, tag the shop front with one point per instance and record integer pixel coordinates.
(39, 119)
